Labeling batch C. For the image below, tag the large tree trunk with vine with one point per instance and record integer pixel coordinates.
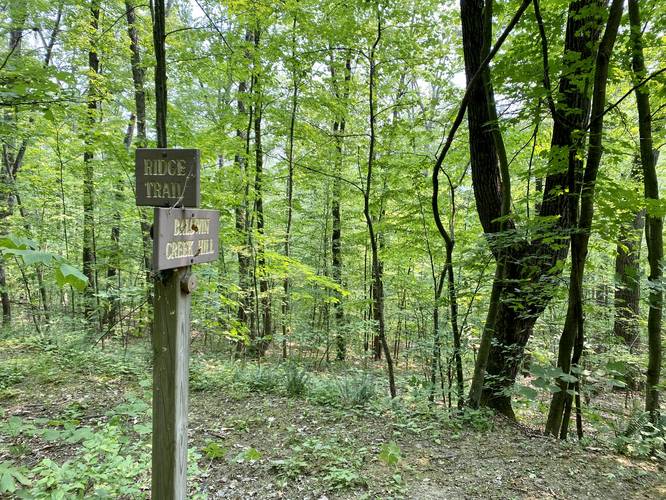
(654, 222)
(529, 267)
(261, 344)
(572, 338)
(376, 262)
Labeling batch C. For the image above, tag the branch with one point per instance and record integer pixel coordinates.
(106, 333)
(332, 176)
(214, 26)
(546, 67)
(116, 21)
(461, 113)
(627, 94)
(12, 49)
(54, 34)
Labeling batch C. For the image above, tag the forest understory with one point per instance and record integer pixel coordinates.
(415, 249)
(76, 423)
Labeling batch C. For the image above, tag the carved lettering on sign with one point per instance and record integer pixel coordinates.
(167, 177)
(184, 236)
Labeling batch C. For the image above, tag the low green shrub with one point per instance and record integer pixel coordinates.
(11, 374)
(356, 390)
(324, 392)
(640, 437)
(261, 379)
(296, 380)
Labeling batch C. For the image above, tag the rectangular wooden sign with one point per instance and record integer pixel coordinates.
(167, 177)
(184, 236)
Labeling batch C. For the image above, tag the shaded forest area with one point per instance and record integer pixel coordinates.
(441, 246)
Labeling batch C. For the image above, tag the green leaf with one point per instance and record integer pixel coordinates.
(7, 484)
(18, 475)
(390, 453)
(214, 451)
(11, 241)
(252, 454)
(143, 429)
(568, 378)
(68, 275)
(30, 256)
(9, 475)
(527, 392)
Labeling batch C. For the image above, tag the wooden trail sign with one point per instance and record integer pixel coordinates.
(181, 237)
(167, 177)
(184, 236)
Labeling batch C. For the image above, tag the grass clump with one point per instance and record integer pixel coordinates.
(261, 379)
(356, 391)
(296, 380)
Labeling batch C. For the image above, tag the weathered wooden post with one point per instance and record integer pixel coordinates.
(181, 237)
(171, 337)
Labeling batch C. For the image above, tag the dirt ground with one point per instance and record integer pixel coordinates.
(303, 450)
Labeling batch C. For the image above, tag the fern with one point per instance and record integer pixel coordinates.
(637, 423)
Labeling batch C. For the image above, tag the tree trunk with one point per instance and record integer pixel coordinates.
(336, 236)
(264, 297)
(376, 263)
(286, 302)
(138, 79)
(4, 296)
(455, 330)
(245, 307)
(573, 333)
(113, 278)
(159, 35)
(88, 169)
(529, 266)
(436, 361)
(627, 276)
(8, 164)
(654, 222)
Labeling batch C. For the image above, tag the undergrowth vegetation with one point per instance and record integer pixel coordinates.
(106, 449)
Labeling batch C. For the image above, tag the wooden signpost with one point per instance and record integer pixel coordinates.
(182, 235)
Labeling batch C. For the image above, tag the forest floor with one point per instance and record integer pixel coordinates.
(75, 422)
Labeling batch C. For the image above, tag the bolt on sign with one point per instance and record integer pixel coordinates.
(167, 177)
(183, 236)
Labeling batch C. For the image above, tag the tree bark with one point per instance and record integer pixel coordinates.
(9, 162)
(264, 297)
(339, 126)
(286, 301)
(138, 79)
(529, 265)
(88, 169)
(376, 263)
(627, 276)
(159, 36)
(4, 296)
(573, 333)
(244, 260)
(654, 222)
